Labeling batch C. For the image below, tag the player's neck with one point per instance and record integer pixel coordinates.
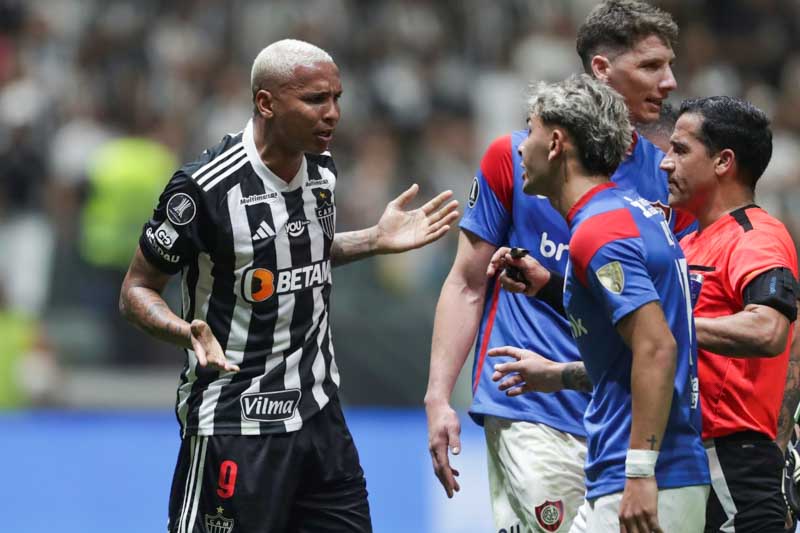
(283, 163)
(723, 201)
(575, 187)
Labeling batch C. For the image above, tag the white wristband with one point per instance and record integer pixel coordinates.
(640, 463)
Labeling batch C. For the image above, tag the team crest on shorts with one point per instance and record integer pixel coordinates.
(218, 523)
(612, 277)
(550, 515)
(325, 210)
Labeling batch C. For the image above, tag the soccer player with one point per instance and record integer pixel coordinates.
(536, 443)
(250, 226)
(628, 303)
(745, 309)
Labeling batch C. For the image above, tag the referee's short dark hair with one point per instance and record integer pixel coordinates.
(615, 26)
(736, 124)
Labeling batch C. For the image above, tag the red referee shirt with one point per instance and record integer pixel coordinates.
(738, 394)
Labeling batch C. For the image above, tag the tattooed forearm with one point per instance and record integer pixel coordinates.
(574, 377)
(145, 308)
(791, 396)
(352, 245)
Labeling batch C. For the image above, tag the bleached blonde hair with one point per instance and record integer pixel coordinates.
(276, 62)
(594, 115)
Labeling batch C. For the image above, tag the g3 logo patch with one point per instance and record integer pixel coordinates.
(474, 191)
(181, 209)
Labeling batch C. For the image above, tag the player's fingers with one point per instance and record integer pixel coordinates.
(510, 351)
(200, 353)
(445, 211)
(435, 236)
(519, 391)
(510, 285)
(497, 261)
(509, 382)
(406, 196)
(443, 220)
(454, 438)
(433, 204)
(652, 523)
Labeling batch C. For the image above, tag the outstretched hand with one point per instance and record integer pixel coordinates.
(399, 230)
(207, 348)
(444, 434)
(536, 275)
(529, 373)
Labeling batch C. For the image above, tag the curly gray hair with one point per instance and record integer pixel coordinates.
(594, 115)
(276, 62)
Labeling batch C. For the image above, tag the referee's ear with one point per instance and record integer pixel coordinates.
(263, 103)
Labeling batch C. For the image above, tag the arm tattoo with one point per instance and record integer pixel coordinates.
(350, 246)
(652, 440)
(574, 377)
(791, 397)
(145, 308)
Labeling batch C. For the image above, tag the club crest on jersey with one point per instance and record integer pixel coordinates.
(474, 191)
(550, 515)
(218, 523)
(325, 210)
(181, 209)
(270, 406)
(612, 277)
(667, 210)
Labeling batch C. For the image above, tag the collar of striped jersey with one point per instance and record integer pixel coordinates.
(271, 181)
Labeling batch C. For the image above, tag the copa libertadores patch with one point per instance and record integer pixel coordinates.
(181, 209)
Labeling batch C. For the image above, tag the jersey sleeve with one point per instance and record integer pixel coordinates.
(609, 259)
(756, 252)
(488, 212)
(173, 234)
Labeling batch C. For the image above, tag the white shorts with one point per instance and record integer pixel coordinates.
(536, 478)
(680, 510)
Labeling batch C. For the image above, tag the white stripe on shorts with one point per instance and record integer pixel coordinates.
(721, 489)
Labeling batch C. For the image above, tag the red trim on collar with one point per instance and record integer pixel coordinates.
(588, 195)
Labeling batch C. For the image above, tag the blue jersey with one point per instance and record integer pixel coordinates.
(622, 256)
(500, 213)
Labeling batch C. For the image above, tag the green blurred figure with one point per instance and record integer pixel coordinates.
(125, 178)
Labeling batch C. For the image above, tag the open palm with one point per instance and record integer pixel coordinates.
(400, 230)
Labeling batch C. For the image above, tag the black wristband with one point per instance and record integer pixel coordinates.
(553, 292)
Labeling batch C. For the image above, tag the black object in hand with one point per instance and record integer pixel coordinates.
(513, 272)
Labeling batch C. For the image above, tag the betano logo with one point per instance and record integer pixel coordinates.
(259, 284)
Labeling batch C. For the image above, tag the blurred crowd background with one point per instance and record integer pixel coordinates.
(100, 101)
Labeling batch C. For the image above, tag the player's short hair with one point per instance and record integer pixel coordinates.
(276, 62)
(735, 124)
(615, 26)
(594, 115)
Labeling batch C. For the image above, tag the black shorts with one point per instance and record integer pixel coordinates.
(747, 496)
(309, 480)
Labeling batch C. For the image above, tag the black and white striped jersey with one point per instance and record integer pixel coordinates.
(254, 255)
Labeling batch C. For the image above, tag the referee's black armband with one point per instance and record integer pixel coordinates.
(774, 288)
(552, 293)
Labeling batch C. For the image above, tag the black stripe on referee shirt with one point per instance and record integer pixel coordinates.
(263, 314)
(221, 303)
(740, 215)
